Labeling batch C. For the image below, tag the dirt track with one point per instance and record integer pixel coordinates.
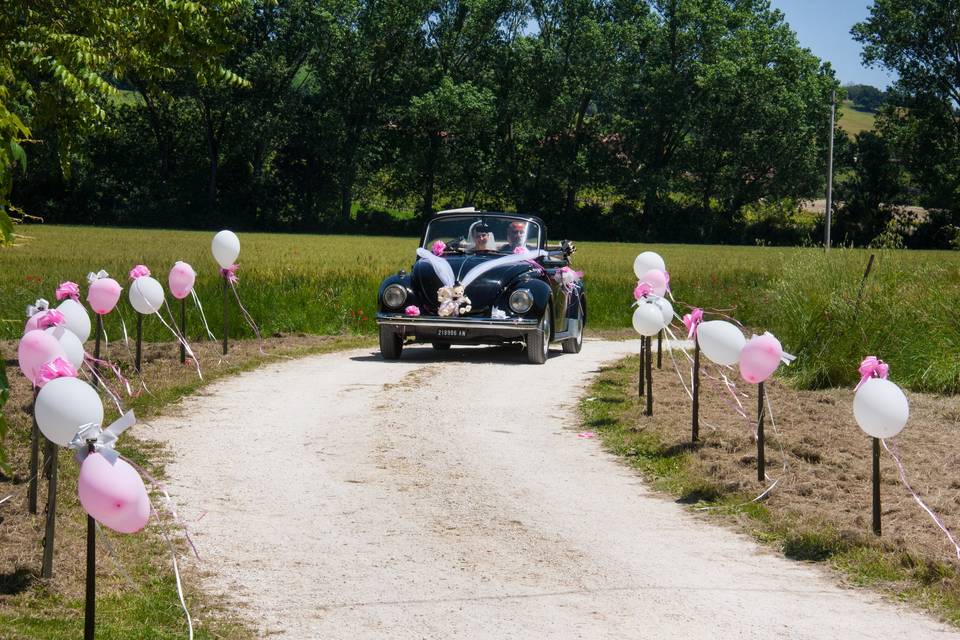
(448, 496)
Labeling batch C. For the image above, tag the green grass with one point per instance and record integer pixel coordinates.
(611, 409)
(853, 120)
(327, 285)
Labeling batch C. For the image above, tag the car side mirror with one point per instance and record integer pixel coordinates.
(568, 248)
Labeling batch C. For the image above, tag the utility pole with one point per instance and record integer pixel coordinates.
(829, 212)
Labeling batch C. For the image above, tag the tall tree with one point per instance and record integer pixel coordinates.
(920, 40)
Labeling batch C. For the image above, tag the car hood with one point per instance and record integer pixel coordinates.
(483, 292)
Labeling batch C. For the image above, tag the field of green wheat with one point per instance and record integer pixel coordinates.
(327, 285)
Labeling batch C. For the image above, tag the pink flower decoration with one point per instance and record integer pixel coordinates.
(412, 311)
(642, 290)
(520, 249)
(139, 271)
(51, 318)
(230, 273)
(68, 290)
(56, 368)
(438, 248)
(872, 367)
(692, 320)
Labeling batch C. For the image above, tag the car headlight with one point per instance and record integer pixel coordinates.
(394, 296)
(521, 301)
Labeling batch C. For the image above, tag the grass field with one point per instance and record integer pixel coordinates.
(853, 120)
(327, 285)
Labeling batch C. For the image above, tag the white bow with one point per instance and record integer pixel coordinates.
(104, 439)
(99, 275)
(37, 307)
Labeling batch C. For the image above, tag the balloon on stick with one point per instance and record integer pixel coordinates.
(647, 318)
(226, 248)
(64, 406)
(646, 261)
(78, 321)
(113, 493)
(103, 292)
(721, 341)
(36, 348)
(70, 343)
(181, 280)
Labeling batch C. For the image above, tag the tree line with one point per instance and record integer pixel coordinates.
(683, 120)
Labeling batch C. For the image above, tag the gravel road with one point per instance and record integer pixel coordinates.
(447, 495)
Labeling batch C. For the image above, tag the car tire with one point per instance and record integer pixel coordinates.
(441, 346)
(391, 344)
(538, 342)
(574, 344)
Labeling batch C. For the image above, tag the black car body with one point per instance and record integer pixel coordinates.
(490, 291)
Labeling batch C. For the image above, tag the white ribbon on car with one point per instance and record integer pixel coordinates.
(104, 439)
(37, 307)
(450, 297)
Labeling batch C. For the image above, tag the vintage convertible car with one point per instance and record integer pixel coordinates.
(484, 278)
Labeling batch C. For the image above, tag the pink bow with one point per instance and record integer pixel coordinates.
(642, 290)
(692, 320)
(56, 368)
(68, 290)
(520, 249)
(438, 247)
(139, 271)
(52, 318)
(230, 273)
(872, 367)
(412, 311)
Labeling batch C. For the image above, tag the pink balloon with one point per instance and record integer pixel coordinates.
(37, 348)
(103, 295)
(182, 277)
(658, 280)
(33, 322)
(113, 494)
(760, 357)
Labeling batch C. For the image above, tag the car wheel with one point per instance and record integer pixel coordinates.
(574, 344)
(391, 344)
(538, 342)
(441, 346)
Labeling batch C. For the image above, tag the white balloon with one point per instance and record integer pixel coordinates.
(647, 319)
(666, 309)
(646, 261)
(71, 345)
(226, 248)
(78, 320)
(63, 406)
(880, 408)
(721, 341)
(146, 295)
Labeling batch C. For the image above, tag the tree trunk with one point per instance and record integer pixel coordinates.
(573, 177)
(164, 152)
(430, 175)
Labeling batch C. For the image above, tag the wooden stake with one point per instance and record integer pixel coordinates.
(761, 454)
(183, 329)
(695, 426)
(52, 454)
(876, 486)
(96, 345)
(226, 325)
(660, 349)
(649, 410)
(90, 607)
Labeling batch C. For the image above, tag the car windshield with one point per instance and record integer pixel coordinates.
(483, 234)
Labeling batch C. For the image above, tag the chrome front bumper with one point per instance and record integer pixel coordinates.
(434, 322)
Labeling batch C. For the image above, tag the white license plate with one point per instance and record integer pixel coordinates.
(452, 333)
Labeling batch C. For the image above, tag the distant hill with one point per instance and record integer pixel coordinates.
(854, 120)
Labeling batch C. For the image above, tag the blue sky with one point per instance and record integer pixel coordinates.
(823, 26)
